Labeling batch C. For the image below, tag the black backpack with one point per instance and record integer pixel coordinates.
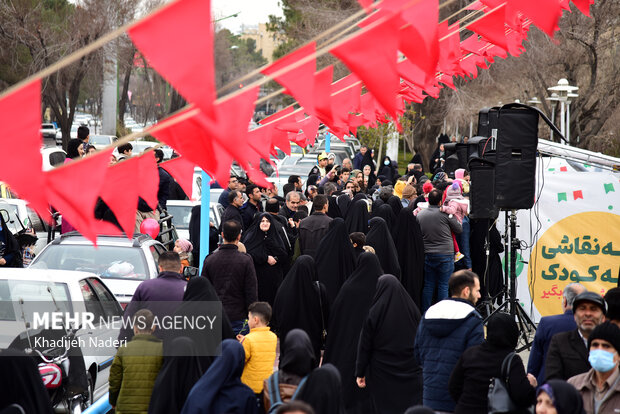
(273, 388)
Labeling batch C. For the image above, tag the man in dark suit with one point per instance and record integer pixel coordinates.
(549, 326)
(568, 351)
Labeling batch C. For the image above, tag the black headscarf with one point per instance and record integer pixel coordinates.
(386, 213)
(335, 259)
(333, 210)
(380, 238)
(502, 331)
(385, 354)
(344, 202)
(254, 239)
(357, 217)
(180, 371)
(220, 389)
(367, 160)
(12, 252)
(21, 383)
(388, 170)
(299, 358)
(312, 180)
(396, 205)
(199, 289)
(359, 196)
(323, 391)
(72, 148)
(409, 244)
(298, 304)
(375, 206)
(347, 317)
(566, 399)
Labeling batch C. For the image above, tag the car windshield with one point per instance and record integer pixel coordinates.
(34, 295)
(100, 140)
(11, 211)
(180, 216)
(112, 262)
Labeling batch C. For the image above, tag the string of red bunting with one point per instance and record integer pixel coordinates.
(212, 133)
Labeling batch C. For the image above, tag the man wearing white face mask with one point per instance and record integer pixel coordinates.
(600, 386)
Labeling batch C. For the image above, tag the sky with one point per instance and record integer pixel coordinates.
(252, 12)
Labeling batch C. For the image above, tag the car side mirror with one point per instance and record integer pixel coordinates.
(190, 272)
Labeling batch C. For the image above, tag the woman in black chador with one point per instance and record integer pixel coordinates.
(386, 212)
(380, 238)
(263, 243)
(335, 258)
(322, 391)
(385, 359)
(348, 314)
(301, 303)
(409, 244)
(357, 217)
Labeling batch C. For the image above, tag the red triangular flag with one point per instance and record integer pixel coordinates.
(544, 13)
(372, 56)
(73, 190)
(491, 26)
(299, 80)
(20, 112)
(178, 42)
(149, 179)
(120, 193)
(277, 115)
(583, 6)
(183, 172)
(322, 95)
(260, 139)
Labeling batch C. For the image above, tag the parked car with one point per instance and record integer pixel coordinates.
(52, 157)
(48, 130)
(23, 219)
(122, 263)
(25, 291)
(101, 141)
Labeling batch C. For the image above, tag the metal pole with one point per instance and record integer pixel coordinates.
(552, 120)
(568, 122)
(471, 127)
(562, 119)
(327, 142)
(205, 210)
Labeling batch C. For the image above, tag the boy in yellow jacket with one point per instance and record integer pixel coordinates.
(260, 348)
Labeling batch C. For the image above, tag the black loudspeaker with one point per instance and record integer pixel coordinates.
(481, 147)
(487, 121)
(515, 160)
(462, 153)
(481, 190)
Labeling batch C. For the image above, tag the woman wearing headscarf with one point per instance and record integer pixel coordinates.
(323, 391)
(385, 358)
(206, 342)
(220, 389)
(263, 243)
(394, 202)
(368, 177)
(469, 383)
(20, 382)
(357, 217)
(359, 196)
(387, 169)
(409, 243)
(344, 202)
(335, 259)
(295, 364)
(386, 213)
(301, 302)
(180, 371)
(348, 314)
(10, 252)
(367, 160)
(558, 397)
(380, 238)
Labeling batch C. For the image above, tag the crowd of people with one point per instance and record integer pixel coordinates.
(357, 294)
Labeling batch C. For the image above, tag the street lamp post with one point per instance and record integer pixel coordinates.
(553, 99)
(563, 89)
(569, 95)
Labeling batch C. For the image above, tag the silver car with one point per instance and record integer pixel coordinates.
(122, 263)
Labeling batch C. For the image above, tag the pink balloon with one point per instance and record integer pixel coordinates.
(150, 226)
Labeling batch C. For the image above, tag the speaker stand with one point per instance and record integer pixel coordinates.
(512, 305)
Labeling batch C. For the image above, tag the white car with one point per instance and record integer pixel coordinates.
(52, 157)
(101, 141)
(22, 217)
(48, 130)
(26, 291)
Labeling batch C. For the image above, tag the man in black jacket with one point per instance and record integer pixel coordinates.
(232, 275)
(568, 351)
(313, 228)
(252, 206)
(233, 211)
